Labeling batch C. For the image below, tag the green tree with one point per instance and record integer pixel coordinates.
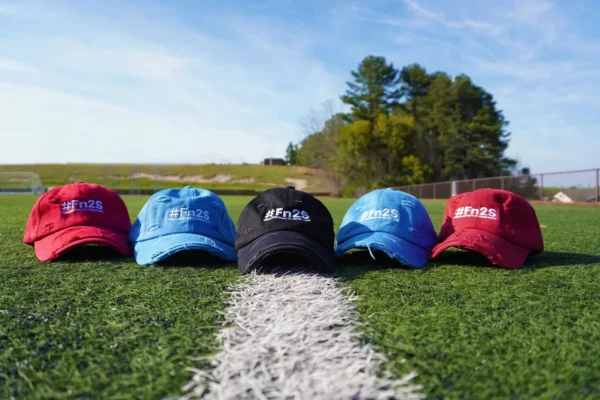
(310, 151)
(381, 156)
(461, 133)
(291, 154)
(483, 129)
(434, 113)
(409, 127)
(414, 85)
(318, 149)
(375, 89)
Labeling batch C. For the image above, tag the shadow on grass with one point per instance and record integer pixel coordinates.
(348, 267)
(283, 263)
(94, 253)
(353, 265)
(196, 259)
(188, 258)
(356, 263)
(544, 260)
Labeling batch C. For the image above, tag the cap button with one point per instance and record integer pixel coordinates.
(290, 187)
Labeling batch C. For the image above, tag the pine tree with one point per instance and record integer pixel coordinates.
(291, 154)
(374, 91)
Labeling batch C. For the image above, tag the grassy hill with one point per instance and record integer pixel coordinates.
(145, 176)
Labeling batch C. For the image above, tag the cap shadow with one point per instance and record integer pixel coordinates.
(545, 259)
(186, 258)
(194, 258)
(549, 259)
(93, 253)
(357, 262)
(283, 263)
(354, 265)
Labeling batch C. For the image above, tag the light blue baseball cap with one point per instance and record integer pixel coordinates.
(390, 221)
(175, 220)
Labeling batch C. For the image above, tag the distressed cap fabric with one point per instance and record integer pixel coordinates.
(285, 221)
(74, 215)
(391, 221)
(499, 224)
(175, 220)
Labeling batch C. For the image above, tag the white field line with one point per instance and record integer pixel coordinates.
(294, 336)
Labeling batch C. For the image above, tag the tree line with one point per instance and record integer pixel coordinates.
(406, 126)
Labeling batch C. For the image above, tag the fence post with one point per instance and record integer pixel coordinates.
(421, 191)
(474, 184)
(541, 186)
(502, 183)
(434, 185)
(597, 184)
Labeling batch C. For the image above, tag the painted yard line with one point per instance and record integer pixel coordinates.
(294, 336)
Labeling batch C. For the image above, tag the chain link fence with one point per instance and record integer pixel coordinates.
(566, 187)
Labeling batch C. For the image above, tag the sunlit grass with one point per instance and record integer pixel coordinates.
(104, 327)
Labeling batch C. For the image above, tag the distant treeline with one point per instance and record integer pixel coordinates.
(407, 126)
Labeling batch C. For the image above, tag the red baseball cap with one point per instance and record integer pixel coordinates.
(77, 214)
(499, 224)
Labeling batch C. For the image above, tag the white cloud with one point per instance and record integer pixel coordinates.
(120, 84)
(529, 10)
(8, 10)
(130, 61)
(15, 66)
(476, 25)
(78, 128)
(491, 29)
(126, 95)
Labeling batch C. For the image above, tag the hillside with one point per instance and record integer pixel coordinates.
(145, 176)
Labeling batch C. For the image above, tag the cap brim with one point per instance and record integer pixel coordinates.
(59, 243)
(403, 251)
(251, 256)
(499, 251)
(152, 251)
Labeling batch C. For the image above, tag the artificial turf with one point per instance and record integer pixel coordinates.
(101, 326)
(104, 327)
(472, 331)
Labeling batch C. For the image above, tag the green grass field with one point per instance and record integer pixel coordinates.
(150, 176)
(108, 328)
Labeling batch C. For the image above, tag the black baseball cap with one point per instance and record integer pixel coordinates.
(285, 221)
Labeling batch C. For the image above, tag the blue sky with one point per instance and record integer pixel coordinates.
(227, 81)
